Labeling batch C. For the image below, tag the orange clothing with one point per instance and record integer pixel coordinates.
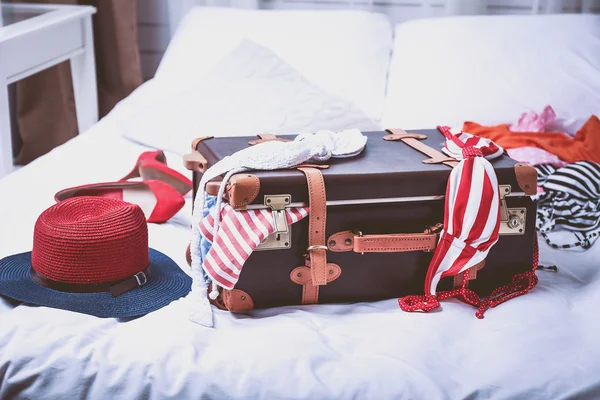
(584, 146)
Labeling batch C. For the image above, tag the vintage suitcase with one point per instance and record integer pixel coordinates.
(384, 208)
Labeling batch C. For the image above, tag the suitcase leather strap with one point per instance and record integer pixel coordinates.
(266, 137)
(195, 161)
(412, 139)
(317, 217)
(386, 243)
(463, 278)
(303, 276)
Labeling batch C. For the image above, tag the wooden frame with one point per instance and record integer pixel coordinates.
(55, 33)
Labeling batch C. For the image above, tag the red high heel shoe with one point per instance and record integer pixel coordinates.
(158, 200)
(152, 165)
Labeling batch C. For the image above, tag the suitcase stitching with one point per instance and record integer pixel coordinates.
(395, 240)
(394, 248)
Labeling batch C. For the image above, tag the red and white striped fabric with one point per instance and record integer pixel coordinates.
(240, 232)
(457, 140)
(472, 207)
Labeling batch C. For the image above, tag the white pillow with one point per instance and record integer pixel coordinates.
(345, 52)
(490, 69)
(249, 91)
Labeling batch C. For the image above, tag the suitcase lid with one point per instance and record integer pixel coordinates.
(384, 170)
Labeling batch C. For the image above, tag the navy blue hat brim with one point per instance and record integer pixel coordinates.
(166, 284)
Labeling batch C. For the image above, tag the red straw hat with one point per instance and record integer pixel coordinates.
(91, 255)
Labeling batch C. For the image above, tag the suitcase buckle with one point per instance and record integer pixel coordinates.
(281, 238)
(314, 247)
(512, 220)
(437, 228)
(359, 234)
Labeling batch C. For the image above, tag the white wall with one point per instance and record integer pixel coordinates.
(153, 33)
(154, 16)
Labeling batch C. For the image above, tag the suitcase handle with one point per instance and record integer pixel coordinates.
(385, 243)
(413, 140)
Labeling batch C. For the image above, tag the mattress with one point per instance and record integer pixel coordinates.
(545, 344)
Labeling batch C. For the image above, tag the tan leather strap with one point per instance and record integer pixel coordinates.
(319, 166)
(317, 218)
(242, 189)
(302, 276)
(198, 140)
(213, 187)
(469, 275)
(387, 243)
(195, 161)
(266, 137)
(526, 178)
(412, 139)
(237, 300)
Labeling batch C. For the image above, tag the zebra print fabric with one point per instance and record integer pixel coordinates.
(571, 202)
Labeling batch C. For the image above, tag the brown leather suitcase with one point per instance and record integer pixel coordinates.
(383, 210)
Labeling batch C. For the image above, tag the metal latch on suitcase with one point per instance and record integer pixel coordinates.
(281, 238)
(512, 220)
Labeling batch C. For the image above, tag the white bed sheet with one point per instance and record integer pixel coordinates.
(542, 345)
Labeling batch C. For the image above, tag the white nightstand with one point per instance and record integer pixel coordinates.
(37, 37)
